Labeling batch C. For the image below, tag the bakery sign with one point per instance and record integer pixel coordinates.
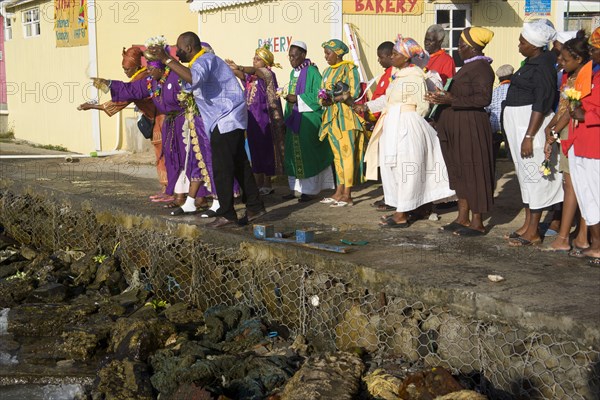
(383, 7)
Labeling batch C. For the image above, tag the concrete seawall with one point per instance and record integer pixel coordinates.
(417, 294)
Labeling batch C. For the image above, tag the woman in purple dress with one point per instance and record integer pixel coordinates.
(266, 130)
(186, 147)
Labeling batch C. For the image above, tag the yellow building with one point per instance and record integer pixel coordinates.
(45, 83)
(250, 22)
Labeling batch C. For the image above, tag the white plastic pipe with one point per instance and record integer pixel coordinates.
(93, 59)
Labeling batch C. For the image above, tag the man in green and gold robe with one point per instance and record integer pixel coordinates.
(307, 159)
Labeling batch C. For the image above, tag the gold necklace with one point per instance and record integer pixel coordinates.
(139, 71)
(198, 55)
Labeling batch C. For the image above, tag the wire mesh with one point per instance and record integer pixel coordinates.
(500, 360)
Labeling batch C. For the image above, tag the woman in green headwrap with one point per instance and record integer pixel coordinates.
(340, 124)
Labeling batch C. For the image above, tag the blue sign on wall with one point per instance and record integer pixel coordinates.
(539, 7)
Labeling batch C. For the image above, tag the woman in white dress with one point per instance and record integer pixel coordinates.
(529, 105)
(403, 144)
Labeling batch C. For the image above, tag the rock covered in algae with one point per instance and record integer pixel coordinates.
(183, 314)
(123, 380)
(333, 376)
(48, 319)
(79, 345)
(48, 293)
(225, 356)
(189, 391)
(104, 272)
(84, 269)
(138, 339)
(14, 291)
(245, 376)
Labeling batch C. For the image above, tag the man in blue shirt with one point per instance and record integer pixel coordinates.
(504, 73)
(222, 105)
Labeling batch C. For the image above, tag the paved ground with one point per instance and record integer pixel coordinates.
(544, 291)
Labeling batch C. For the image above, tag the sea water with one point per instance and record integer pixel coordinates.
(41, 392)
(4, 321)
(5, 358)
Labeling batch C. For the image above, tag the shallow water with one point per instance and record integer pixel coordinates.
(29, 391)
(41, 392)
(5, 358)
(4, 321)
(8, 359)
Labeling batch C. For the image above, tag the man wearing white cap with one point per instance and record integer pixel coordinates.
(307, 160)
(504, 74)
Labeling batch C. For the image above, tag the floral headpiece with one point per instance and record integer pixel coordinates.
(155, 41)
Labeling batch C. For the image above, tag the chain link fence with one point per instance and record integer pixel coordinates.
(502, 361)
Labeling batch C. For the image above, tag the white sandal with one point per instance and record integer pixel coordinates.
(328, 200)
(340, 204)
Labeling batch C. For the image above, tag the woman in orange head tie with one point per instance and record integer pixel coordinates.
(132, 67)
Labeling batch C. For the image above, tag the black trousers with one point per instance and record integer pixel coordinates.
(230, 161)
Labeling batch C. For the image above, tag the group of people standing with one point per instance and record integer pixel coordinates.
(426, 129)
(203, 132)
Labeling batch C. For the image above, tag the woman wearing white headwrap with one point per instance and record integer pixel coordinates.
(529, 105)
(403, 144)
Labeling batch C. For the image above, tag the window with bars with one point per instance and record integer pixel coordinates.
(7, 28)
(454, 18)
(31, 22)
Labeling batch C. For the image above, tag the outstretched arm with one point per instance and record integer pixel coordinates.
(238, 70)
(110, 107)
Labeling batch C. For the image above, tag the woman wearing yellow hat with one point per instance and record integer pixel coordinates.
(266, 131)
(465, 133)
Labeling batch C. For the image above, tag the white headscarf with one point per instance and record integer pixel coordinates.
(564, 37)
(538, 33)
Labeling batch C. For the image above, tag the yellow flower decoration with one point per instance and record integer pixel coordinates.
(191, 110)
(545, 168)
(573, 94)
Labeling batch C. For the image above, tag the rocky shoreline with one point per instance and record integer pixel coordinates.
(73, 319)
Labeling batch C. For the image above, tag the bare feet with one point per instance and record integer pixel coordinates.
(345, 199)
(471, 230)
(578, 245)
(591, 253)
(522, 242)
(561, 243)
